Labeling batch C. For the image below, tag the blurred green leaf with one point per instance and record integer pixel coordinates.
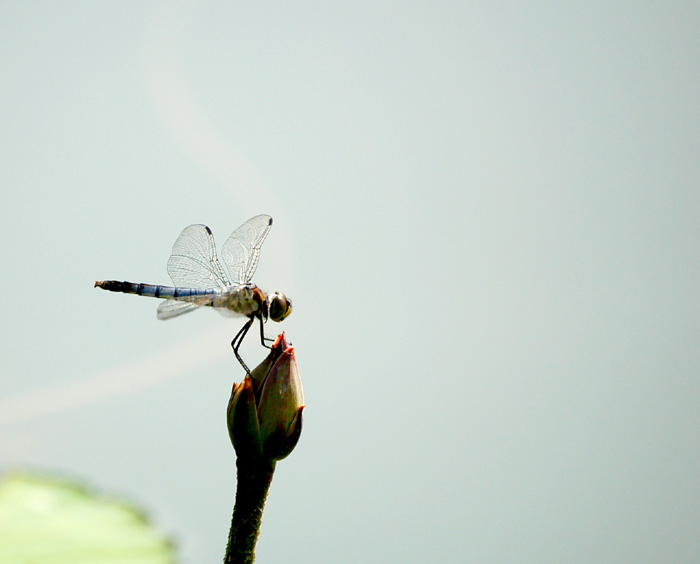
(45, 520)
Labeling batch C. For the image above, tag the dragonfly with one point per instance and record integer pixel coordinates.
(199, 279)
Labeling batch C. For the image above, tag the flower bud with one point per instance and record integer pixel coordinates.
(264, 412)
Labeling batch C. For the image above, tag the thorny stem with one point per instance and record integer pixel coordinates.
(254, 479)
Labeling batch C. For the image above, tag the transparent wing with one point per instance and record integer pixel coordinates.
(173, 308)
(241, 250)
(193, 262)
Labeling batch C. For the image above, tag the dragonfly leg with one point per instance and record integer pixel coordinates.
(238, 339)
(263, 338)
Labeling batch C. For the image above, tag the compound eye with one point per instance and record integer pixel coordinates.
(280, 306)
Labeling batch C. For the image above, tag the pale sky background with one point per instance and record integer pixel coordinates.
(488, 218)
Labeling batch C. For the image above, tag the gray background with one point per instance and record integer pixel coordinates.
(486, 215)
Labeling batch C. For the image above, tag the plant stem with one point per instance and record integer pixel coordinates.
(254, 479)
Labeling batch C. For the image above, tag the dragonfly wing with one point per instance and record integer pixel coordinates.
(241, 250)
(193, 262)
(174, 307)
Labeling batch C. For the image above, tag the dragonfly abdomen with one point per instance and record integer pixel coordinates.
(152, 290)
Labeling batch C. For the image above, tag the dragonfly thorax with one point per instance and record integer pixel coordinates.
(245, 299)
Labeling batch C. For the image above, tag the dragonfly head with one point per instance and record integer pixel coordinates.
(278, 306)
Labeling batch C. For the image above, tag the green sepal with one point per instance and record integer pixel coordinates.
(285, 445)
(243, 426)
